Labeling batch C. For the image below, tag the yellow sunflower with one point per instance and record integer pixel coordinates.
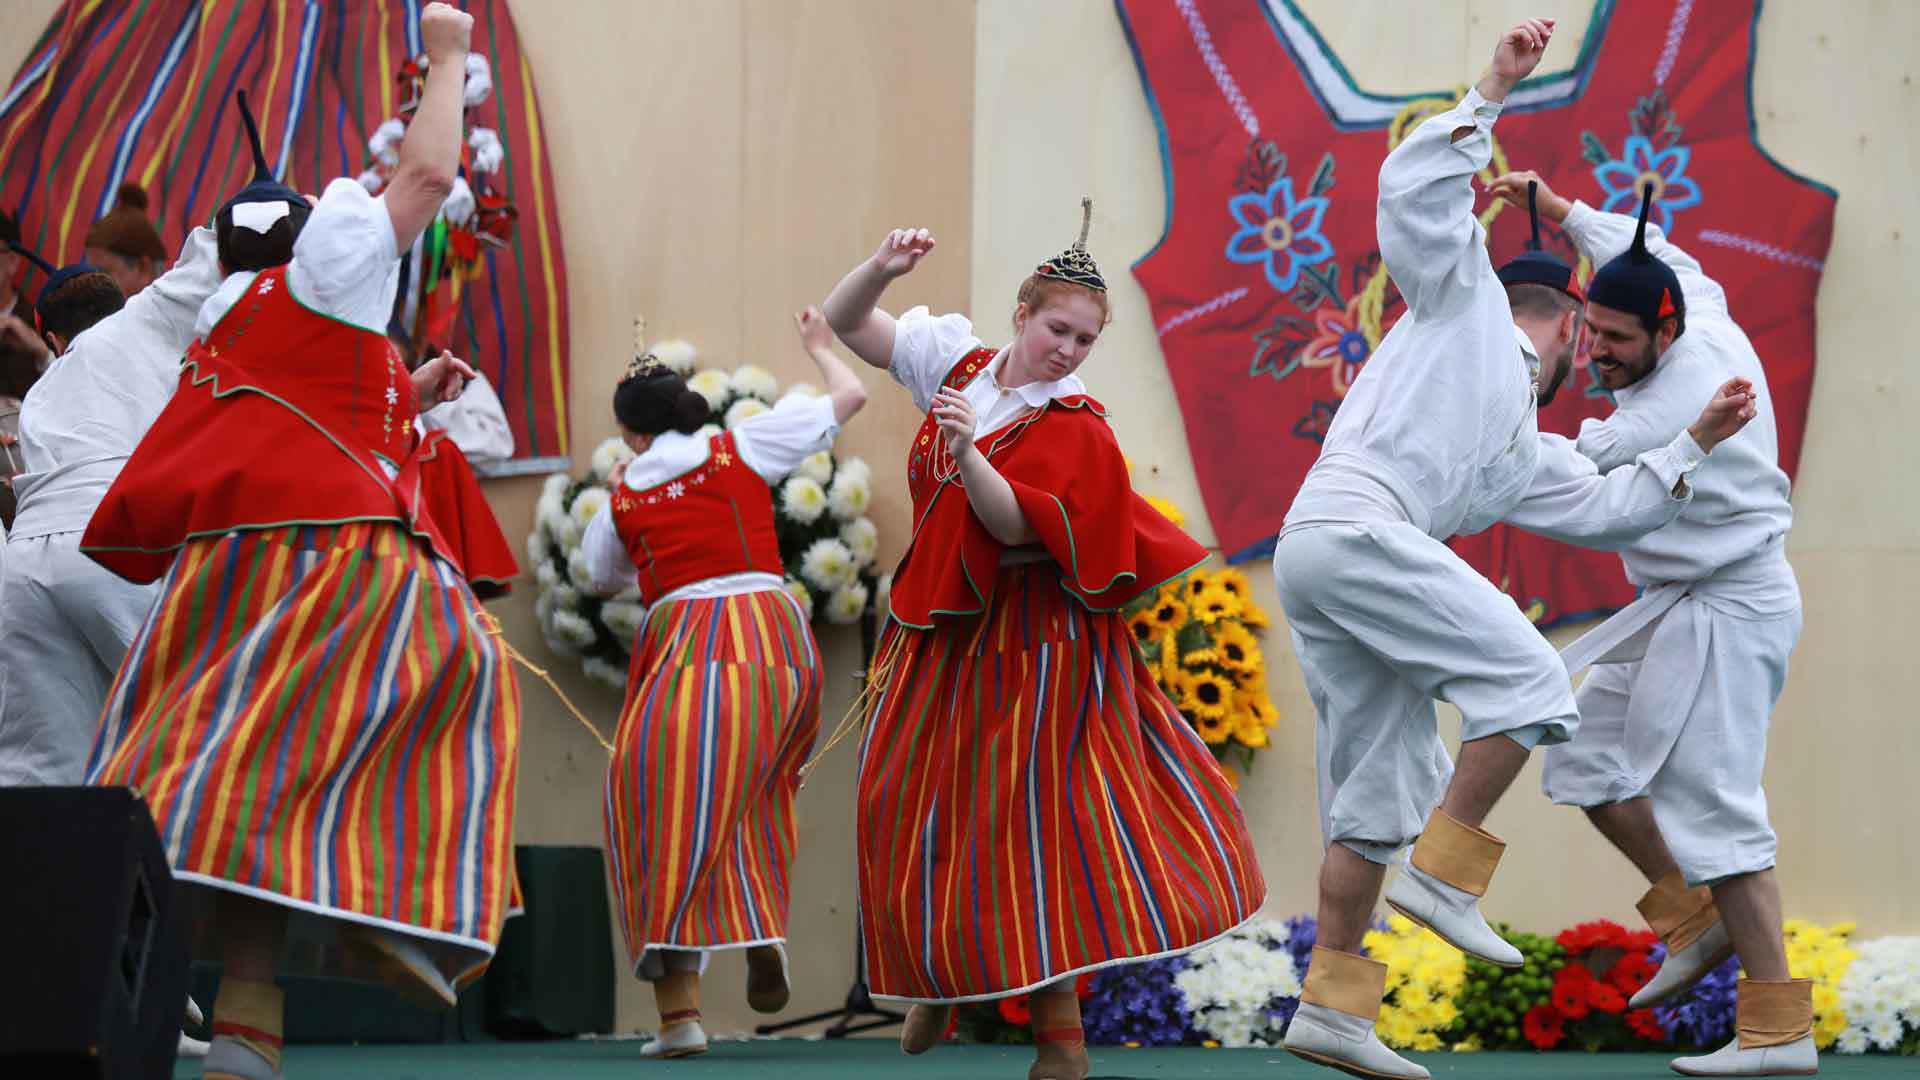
(1193, 585)
(1254, 617)
(1144, 628)
(1239, 650)
(1214, 730)
(1206, 695)
(1232, 581)
(1199, 658)
(1249, 730)
(1167, 510)
(1255, 709)
(1213, 604)
(1167, 612)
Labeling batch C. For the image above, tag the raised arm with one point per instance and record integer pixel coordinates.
(1602, 237)
(430, 154)
(988, 492)
(167, 309)
(1431, 241)
(852, 308)
(1572, 500)
(844, 388)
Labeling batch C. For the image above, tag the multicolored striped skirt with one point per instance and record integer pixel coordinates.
(723, 702)
(1031, 806)
(316, 719)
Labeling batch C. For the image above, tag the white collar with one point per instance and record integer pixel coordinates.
(1035, 393)
(671, 454)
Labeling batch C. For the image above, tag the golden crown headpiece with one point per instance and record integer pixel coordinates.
(644, 363)
(1074, 264)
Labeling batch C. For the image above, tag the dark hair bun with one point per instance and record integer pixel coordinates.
(690, 412)
(130, 197)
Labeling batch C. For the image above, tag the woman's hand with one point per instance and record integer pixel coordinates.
(901, 251)
(439, 380)
(954, 415)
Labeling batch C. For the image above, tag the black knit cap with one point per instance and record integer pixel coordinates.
(1537, 265)
(56, 277)
(262, 189)
(1637, 282)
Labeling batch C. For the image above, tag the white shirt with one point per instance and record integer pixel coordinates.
(773, 444)
(1439, 429)
(344, 263)
(475, 422)
(1740, 503)
(84, 416)
(925, 348)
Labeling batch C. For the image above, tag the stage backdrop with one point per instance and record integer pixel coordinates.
(142, 92)
(1267, 288)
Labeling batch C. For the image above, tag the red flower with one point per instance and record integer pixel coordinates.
(1543, 1027)
(1632, 972)
(953, 1024)
(1571, 990)
(1014, 1010)
(1605, 998)
(1593, 935)
(1646, 1025)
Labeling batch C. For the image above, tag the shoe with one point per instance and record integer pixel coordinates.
(1452, 914)
(230, 1059)
(403, 966)
(1797, 1058)
(1684, 967)
(924, 1026)
(191, 1047)
(767, 990)
(680, 1040)
(1339, 1040)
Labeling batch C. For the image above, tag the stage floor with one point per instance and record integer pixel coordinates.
(794, 1059)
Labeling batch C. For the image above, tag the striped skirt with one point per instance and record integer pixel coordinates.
(1031, 806)
(315, 720)
(723, 702)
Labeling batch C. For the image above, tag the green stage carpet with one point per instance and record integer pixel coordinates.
(793, 1059)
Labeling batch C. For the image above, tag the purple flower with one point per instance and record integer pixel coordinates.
(1137, 1003)
(1703, 1016)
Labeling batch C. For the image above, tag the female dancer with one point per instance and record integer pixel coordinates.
(1030, 805)
(723, 695)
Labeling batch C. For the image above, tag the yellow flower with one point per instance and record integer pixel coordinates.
(1168, 612)
(1145, 628)
(1200, 657)
(1249, 730)
(1239, 649)
(1212, 604)
(1251, 683)
(1207, 695)
(1193, 585)
(1167, 510)
(1232, 581)
(1255, 617)
(1261, 710)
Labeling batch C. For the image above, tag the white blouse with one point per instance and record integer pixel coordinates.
(926, 347)
(773, 444)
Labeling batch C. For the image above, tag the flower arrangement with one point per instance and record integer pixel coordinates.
(1241, 990)
(1424, 977)
(1201, 637)
(1601, 966)
(1880, 998)
(1503, 1008)
(827, 543)
(1138, 1005)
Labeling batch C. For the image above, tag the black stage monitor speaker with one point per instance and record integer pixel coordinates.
(93, 937)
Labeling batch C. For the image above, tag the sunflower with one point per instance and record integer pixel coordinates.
(1167, 612)
(1206, 694)
(1193, 586)
(1239, 650)
(1214, 730)
(1167, 510)
(1144, 628)
(1255, 709)
(1213, 604)
(1199, 658)
(1251, 682)
(1249, 730)
(1254, 617)
(1232, 581)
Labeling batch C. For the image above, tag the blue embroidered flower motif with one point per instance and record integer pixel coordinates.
(1280, 232)
(1316, 423)
(1639, 164)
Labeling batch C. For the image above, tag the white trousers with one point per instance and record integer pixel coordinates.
(67, 627)
(1679, 713)
(1384, 620)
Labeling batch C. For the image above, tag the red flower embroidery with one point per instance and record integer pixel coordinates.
(1543, 1027)
(1015, 1010)
(1341, 345)
(1571, 991)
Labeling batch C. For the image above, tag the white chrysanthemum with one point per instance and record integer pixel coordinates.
(816, 467)
(604, 673)
(539, 548)
(577, 571)
(543, 609)
(546, 575)
(565, 597)
(883, 593)
(752, 380)
(713, 385)
(608, 456)
(677, 354)
(622, 618)
(556, 484)
(588, 504)
(565, 532)
(573, 628)
(1852, 1041)
(744, 408)
(846, 604)
(862, 538)
(801, 596)
(801, 391)
(629, 595)
(827, 565)
(802, 499)
(1230, 985)
(851, 494)
(854, 466)
(549, 511)
(707, 431)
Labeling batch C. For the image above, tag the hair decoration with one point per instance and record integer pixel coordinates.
(1075, 265)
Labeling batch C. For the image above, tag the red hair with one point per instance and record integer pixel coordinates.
(1037, 292)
